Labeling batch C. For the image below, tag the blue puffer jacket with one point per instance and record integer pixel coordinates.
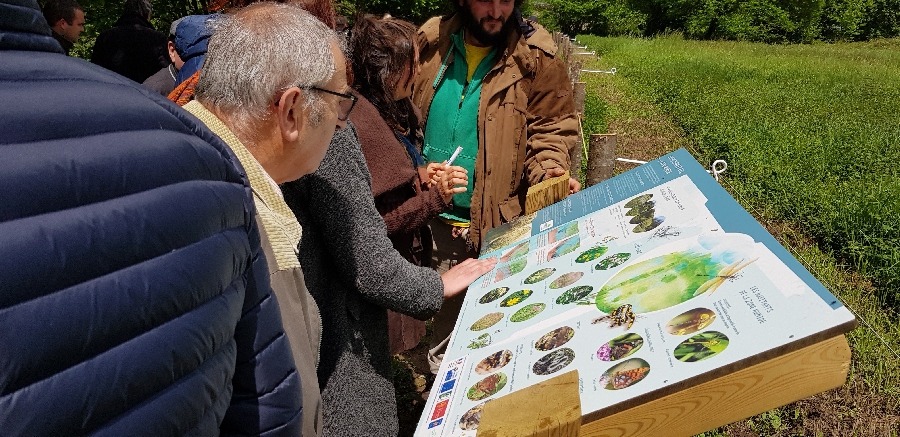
(134, 295)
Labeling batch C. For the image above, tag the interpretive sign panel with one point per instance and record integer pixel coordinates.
(644, 283)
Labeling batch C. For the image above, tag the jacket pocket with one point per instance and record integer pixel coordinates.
(511, 209)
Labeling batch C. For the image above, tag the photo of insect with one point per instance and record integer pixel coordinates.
(618, 317)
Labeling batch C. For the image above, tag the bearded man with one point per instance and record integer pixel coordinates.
(491, 84)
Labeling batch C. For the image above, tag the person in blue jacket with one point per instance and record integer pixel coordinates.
(191, 38)
(134, 294)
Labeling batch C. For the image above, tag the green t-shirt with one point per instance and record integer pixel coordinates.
(453, 118)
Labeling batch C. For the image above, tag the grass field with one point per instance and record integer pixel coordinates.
(812, 139)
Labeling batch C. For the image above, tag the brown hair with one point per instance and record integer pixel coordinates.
(380, 48)
(321, 9)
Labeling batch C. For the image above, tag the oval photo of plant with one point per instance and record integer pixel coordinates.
(515, 298)
(487, 387)
(591, 254)
(566, 279)
(612, 261)
(701, 346)
(540, 275)
(487, 321)
(526, 312)
(574, 294)
(636, 201)
(480, 342)
(493, 295)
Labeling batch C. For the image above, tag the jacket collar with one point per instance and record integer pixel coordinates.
(133, 20)
(281, 226)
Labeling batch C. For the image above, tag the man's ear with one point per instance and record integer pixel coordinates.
(289, 115)
(60, 23)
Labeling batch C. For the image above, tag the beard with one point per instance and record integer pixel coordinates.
(475, 28)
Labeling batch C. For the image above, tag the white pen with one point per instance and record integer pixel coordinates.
(453, 156)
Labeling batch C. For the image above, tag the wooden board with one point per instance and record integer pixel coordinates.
(745, 393)
(544, 410)
(551, 408)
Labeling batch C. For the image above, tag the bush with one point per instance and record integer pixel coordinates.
(771, 21)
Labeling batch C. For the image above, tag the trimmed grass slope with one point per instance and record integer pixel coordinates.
(811, 132)
(812, 138)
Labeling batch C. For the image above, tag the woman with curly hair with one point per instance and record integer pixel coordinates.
(360, 232)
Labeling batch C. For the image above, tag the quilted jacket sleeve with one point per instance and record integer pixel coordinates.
(135, 298)
(267, 398)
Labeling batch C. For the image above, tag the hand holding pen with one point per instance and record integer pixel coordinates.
(448, 179)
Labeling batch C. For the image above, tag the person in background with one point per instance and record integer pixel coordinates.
(341, 24)
(163, 81)
(385, 64)
(134, 299)
(272, 87)
(490, 83)
(185, 84)
(352, 268)
(132, 47)
(66, 20)
(191, 40)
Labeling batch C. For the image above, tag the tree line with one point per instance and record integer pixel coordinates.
(770, 21)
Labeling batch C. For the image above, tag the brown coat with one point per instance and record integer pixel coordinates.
(396, 186)
(526, 119)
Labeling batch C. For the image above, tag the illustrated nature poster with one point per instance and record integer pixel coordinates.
(645, 282)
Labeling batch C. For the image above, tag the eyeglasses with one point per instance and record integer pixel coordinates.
(346, 104)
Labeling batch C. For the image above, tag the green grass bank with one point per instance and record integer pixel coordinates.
(812, 138)
(811, 132)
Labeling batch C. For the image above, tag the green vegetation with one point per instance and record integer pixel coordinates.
(811, 138)
(758, 20)
(102, 14)
(811, 133)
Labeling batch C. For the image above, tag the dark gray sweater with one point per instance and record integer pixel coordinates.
(353, 272)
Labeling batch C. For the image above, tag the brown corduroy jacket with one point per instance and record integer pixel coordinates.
(526, 119)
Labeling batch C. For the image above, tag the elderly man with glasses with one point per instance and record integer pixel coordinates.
(274, 89)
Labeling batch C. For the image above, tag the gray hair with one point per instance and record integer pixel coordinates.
(262, 49)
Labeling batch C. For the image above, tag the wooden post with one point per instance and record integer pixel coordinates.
(575, 156)
(579, 93)
(574, 70)
(601, 158)
(550, 408)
